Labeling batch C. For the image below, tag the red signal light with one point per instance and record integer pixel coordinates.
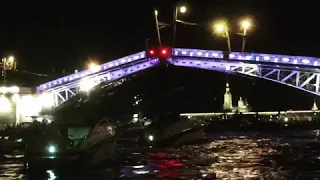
(164, 52)
(151, 52)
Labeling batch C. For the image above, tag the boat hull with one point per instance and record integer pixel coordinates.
(195, 135)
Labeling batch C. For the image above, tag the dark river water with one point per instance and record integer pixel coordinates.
(229, 155)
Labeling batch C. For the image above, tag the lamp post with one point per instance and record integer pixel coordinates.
(159, 25)
(177, 9)
(8, 63)
(156, 13)
(221, 28)
(245, 25)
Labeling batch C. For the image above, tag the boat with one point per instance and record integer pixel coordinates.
(170, 130)
(63, 142)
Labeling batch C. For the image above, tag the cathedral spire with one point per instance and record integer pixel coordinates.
(227, 88)
(314, 107)
(227, 104)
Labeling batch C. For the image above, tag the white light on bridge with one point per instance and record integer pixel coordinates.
(46, 100)
(29, 105)
(86, 85)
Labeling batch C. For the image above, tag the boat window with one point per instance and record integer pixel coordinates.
(103, 122)
(78, 132)
(184, 119)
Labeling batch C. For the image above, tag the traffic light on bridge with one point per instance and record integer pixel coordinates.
(162, 53)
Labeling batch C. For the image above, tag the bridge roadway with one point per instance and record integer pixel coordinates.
(295, 71)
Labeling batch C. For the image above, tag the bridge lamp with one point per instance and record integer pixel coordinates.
(221, 28)
(86, 85)
(183, 9)
(245, 25)
(93, 65)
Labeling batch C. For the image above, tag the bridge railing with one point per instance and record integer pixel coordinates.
(190, 53)
(106, 66)
(248, 57)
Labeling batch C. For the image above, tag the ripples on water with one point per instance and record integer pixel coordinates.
(289, 155)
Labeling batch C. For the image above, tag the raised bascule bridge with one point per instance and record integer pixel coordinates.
(296, 71)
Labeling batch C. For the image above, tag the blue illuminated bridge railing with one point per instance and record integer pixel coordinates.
(106, 66)
(256, 58)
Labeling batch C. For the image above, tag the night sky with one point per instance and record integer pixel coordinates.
(63, 37)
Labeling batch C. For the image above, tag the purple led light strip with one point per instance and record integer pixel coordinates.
(118, 73)
(256, 57)
(197, 53)
(202, 64)
(103, 67)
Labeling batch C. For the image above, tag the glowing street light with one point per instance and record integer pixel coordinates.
(245, 25)
(93, 66)
(221, 28)
(160, 25)
(183, 9)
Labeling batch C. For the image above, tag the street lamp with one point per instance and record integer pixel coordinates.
(221, 28)
(92, 65)
(178, 9)
(8, 63)
(245, 25)
(183, 9)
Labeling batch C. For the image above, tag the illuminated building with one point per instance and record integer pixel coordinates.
(227, 105)
(18, 104)
(314, 107)
(243, 105)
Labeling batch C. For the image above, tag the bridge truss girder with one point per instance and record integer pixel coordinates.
(64, 92)
(303, 78)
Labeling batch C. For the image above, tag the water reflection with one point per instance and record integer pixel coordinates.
(288, 155)
(51, 175)
(240, 158)
(11, 170)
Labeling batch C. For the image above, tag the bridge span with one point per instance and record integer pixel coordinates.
(296, 71)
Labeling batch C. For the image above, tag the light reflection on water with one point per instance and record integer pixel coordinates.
(289, 155)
